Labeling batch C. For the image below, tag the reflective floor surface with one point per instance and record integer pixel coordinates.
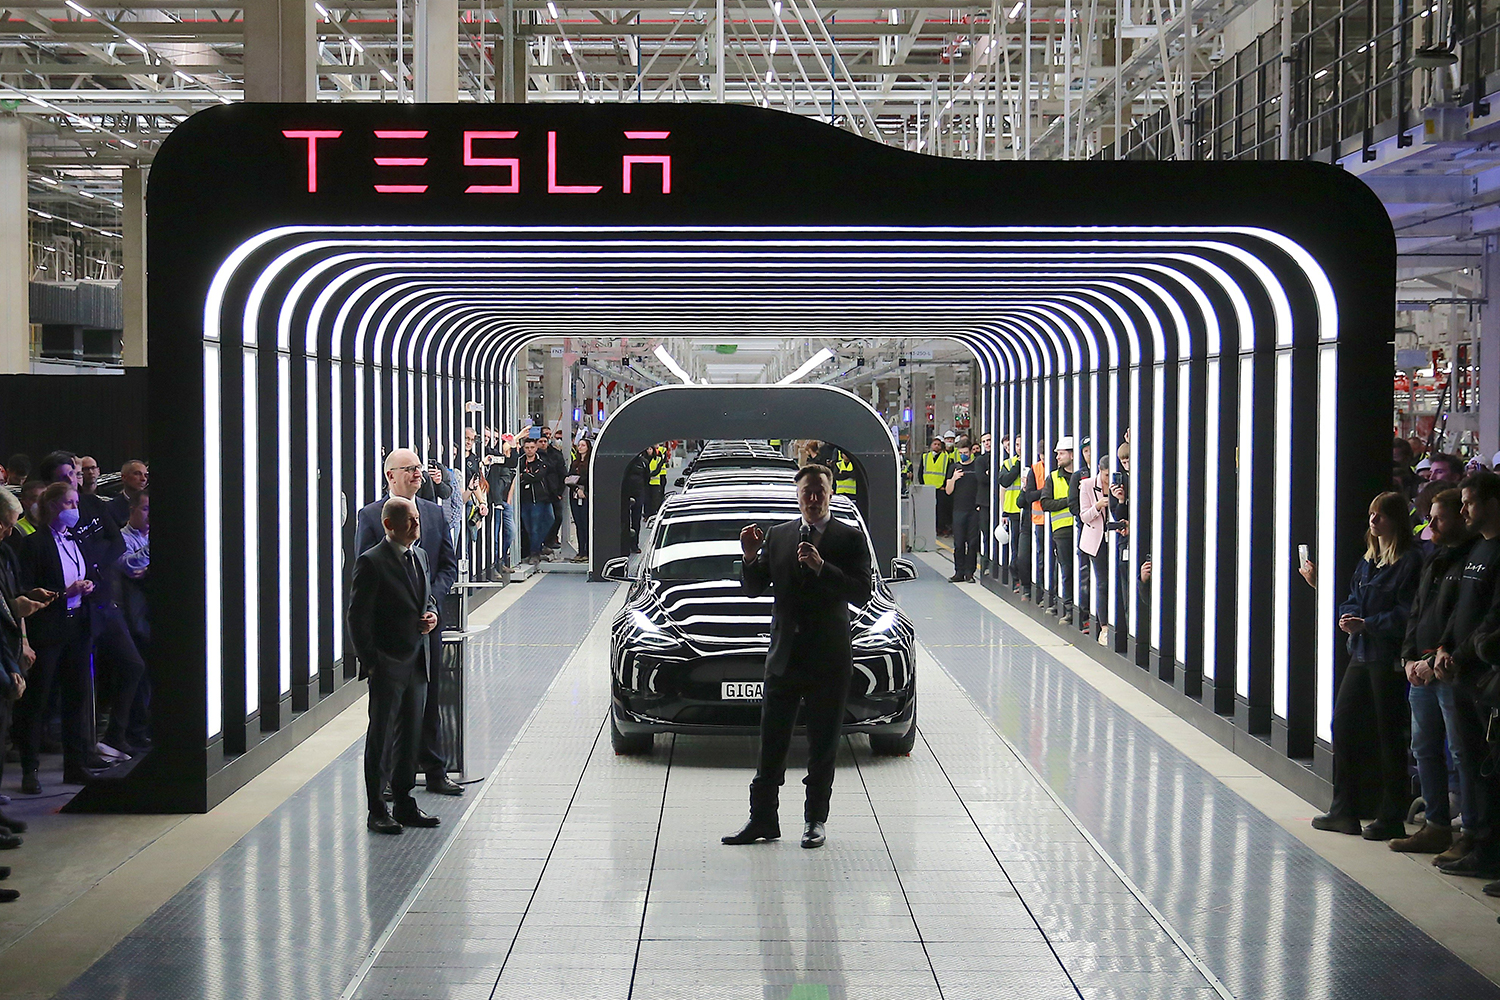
(1039, 842)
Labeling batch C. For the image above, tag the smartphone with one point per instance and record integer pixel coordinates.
(1117, 478)
(535, 433)
(1302, 555)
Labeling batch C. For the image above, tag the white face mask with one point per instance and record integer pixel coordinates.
(68, 518)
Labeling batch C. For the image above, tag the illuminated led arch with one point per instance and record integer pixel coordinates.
(1234, 333)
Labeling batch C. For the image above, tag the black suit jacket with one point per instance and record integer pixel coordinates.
(41, 566)
(810, 618)
(442, 558)
(385, 614)
(10, 624)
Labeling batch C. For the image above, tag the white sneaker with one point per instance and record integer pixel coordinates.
(105, 750)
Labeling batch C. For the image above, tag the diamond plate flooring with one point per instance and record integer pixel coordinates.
(1039, 842)
(294, 907)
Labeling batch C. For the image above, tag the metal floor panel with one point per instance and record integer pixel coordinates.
(294, 907)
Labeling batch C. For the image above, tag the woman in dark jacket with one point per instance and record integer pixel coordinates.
(1372, 693)
(578, 496)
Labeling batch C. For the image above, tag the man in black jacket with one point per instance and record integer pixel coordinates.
(1476, 612)
(1431, 700)
(391, 612)
(633, 502)
(403, 474)
(816, 567)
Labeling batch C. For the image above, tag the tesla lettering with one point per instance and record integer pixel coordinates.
(405, 157)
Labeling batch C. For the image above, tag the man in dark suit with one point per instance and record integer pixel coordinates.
(403, 475)
(391, 613)
(816, 567)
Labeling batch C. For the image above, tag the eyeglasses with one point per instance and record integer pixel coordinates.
(408, 468)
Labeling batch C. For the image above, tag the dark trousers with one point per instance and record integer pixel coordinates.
(113, 645)
(944, 511)
(1480, 792)
(5, 713)
(66, 666)
(1062, 551)
(536, 519)
(965, 542)
(430, 759)
(1020, 550)
(559, 510)
(1371, 698)
(1039, 552)
(391, 741)
(1085, 570)
(656, 494)
(821, 696)
(581, 525)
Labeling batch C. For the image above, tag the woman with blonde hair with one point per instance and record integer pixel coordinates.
(1372, 693)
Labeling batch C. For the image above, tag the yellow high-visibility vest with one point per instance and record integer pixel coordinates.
(1060, 518)
(935, 468)
(844, 481)
(659, 470)
(1011, 502)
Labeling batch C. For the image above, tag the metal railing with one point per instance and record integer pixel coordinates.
(1361, 71)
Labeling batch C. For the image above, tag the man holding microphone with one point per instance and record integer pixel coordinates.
(816, 567)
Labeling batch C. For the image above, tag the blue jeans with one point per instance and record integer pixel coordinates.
(1467, 744)
(1428, 742)
(505, 526)
(537, 519)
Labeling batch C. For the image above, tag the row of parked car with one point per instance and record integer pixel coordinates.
(688, 649)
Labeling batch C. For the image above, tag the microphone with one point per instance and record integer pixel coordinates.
(804, 534)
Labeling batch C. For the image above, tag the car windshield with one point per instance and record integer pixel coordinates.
(707, 547)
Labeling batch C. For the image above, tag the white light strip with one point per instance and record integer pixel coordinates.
(1244, 504)
(1212, 475)
(284, 511)
(1281, 546)
(251, 468)
(213, 536)
(807, 366)
(1328, 479)
(665, 357)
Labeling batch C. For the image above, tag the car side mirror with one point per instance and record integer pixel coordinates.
(902, 570)
(679, 481)
(618, 569)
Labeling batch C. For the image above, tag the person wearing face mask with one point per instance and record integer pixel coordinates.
(52, 560)
(962, 486)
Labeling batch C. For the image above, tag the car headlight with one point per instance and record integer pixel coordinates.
(651, 633)
(642, 621)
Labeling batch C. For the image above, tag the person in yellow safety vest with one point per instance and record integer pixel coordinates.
(843, 477)
(1009, 474)
(656, 480)
(934, 471)
(1057, 502)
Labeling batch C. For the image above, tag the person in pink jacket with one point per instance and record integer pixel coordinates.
(1093, 509)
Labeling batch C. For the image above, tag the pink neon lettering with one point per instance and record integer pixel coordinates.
(388, 133)
(400, 188)
(666, 170)
(646, 135)
(470, 160)
(555, 188)
(401, 161)
(312, 137)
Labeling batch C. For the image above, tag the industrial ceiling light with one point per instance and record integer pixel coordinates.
(666, 358)
(807, 366)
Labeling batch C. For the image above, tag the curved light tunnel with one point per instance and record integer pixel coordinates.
(1088, 332)
(321, 339)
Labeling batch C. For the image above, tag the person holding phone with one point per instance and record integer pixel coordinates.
(1371, 695)
(16, 656)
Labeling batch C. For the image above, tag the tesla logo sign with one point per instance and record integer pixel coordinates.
(401, 151)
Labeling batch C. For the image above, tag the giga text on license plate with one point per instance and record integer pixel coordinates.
(744, 690)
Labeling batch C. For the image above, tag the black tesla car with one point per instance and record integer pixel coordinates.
(688, 650)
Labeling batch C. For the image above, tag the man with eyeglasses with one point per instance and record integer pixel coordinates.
(403, 476)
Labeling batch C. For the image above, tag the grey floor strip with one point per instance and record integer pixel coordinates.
(1268, 916)
(294, 908)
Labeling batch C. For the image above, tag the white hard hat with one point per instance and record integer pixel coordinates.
(949, 434)
(1495, 461)
(1064, 443)
(1424, 464)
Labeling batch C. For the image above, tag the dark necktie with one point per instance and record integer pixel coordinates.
(413, 573)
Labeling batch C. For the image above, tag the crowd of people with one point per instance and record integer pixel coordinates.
(1422, 622)
(75, 633)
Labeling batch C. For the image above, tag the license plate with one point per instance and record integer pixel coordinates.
(744, 690)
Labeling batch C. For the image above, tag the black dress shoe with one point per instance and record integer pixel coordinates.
(955, 578)
(756, 829)
(382, 823)
(441, 784)
(1482, 862)
(9, 895)
(13, 825)
(29, 784)
(1336, 824)
(4, 872)
(94, 762)
(814, 834)
(1491, 889)
(1384, 831)
(412, 815)
(9, 842)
